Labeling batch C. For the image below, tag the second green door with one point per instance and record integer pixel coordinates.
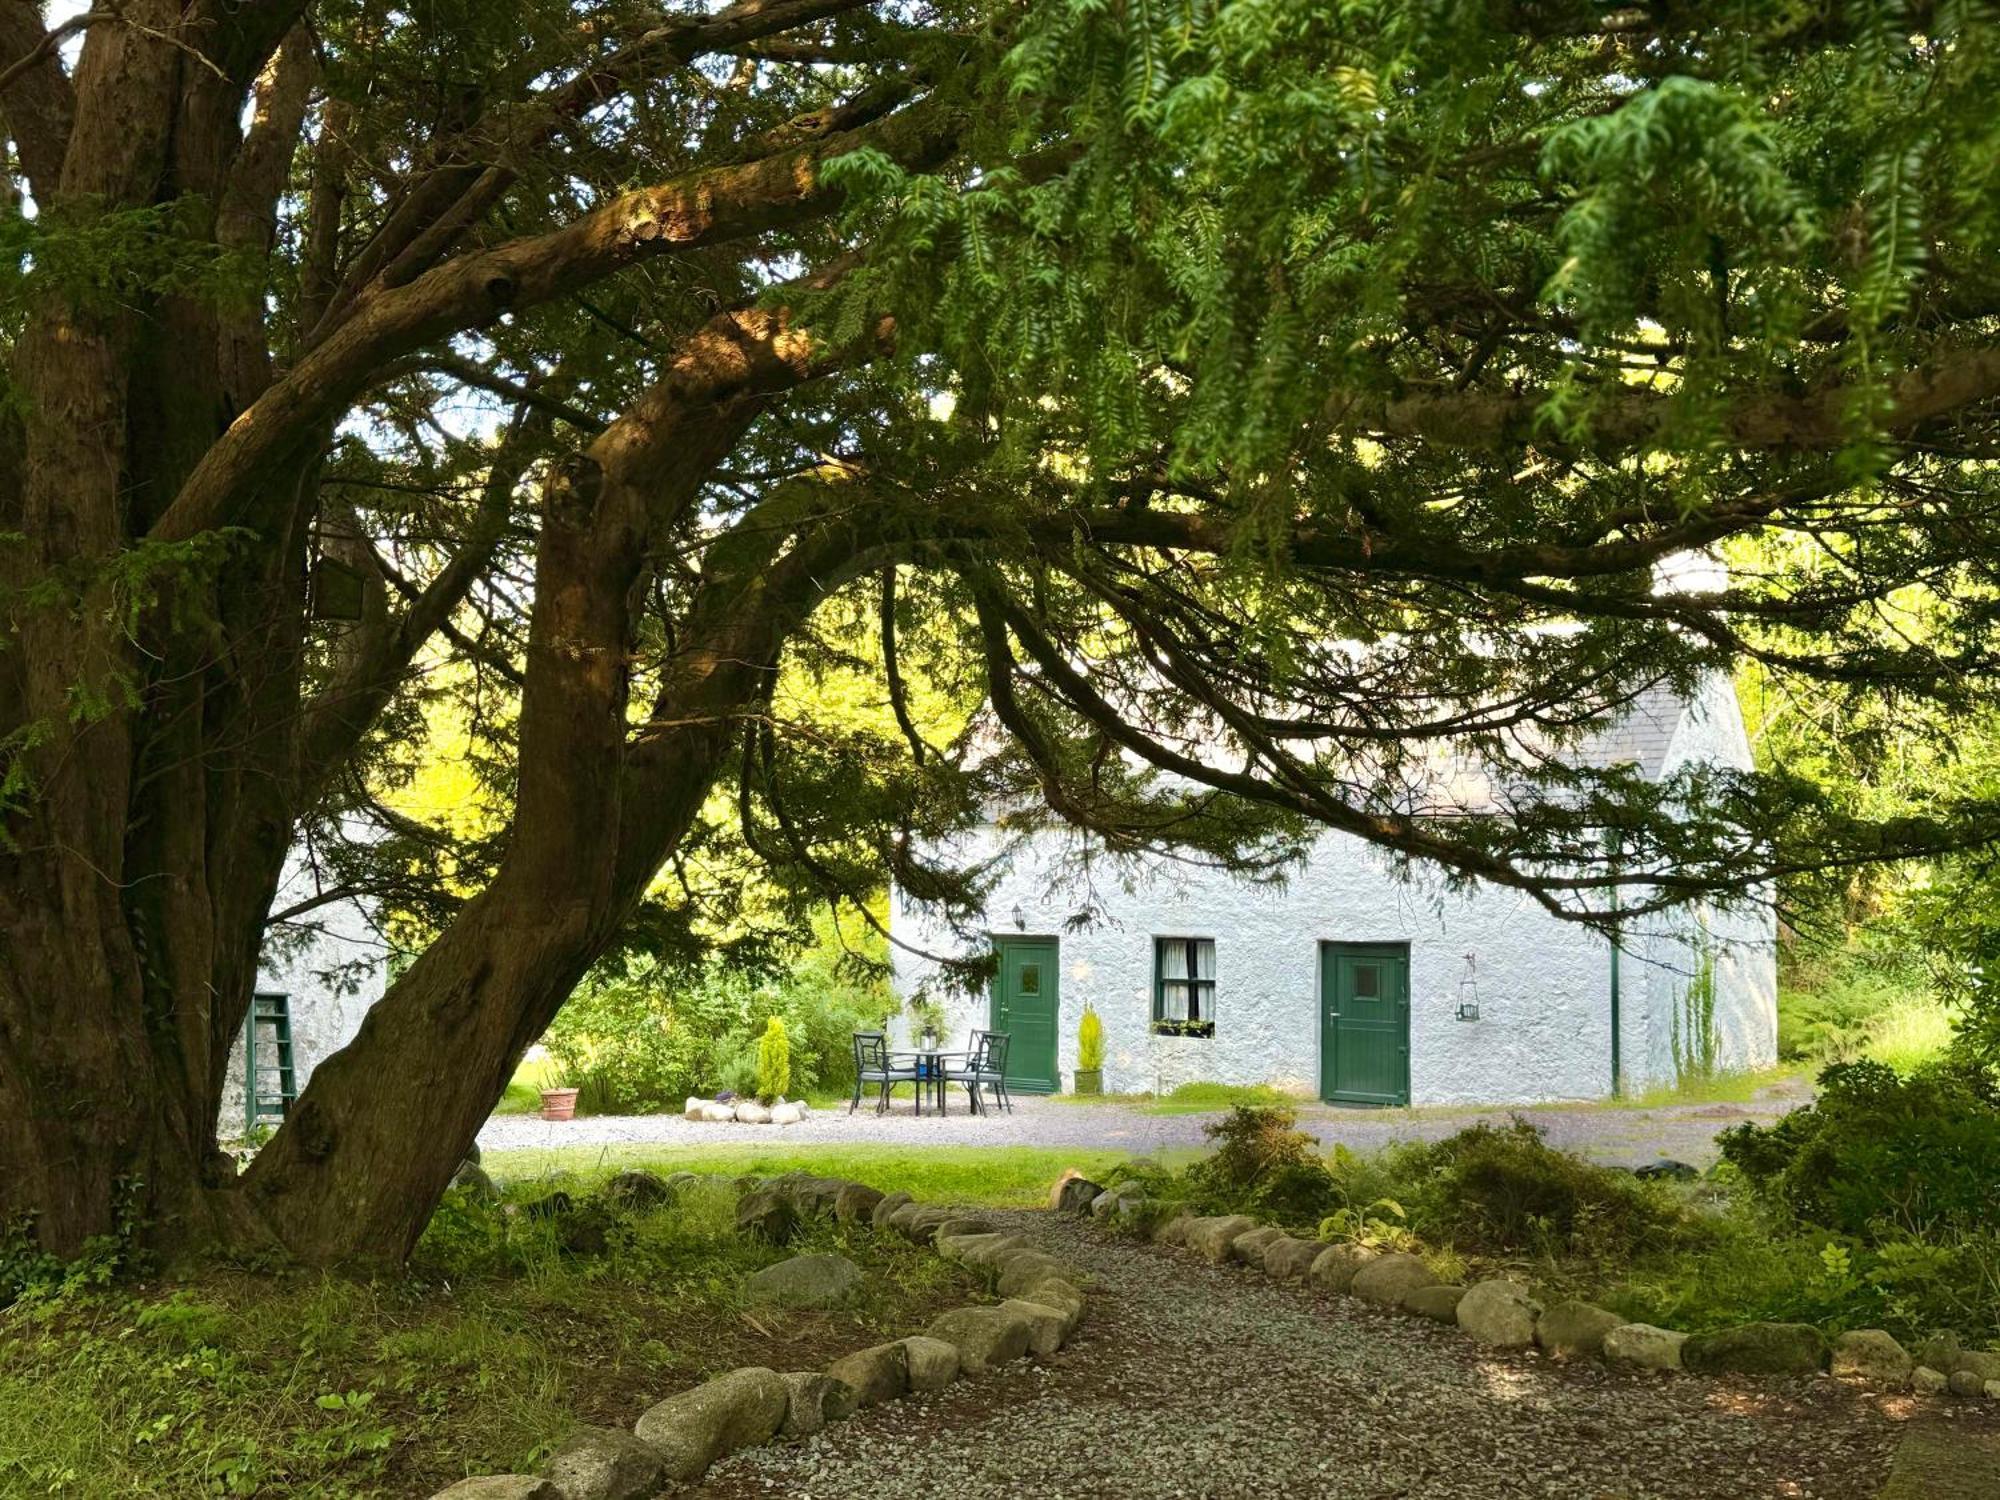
(1026, 1004)
(1364, 1023)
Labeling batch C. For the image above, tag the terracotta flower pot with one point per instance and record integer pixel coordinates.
(559, 1104)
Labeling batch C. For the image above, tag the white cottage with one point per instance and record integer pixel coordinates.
(1353, 986)
(317, 977)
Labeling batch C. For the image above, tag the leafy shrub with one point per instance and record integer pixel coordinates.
(1503, 1188)
(1264, 1162)
(643, 1040)
(1877, 1153)
(774, 1061)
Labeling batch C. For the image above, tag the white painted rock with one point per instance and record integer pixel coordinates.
(750, 1112)
(716, 1114)
(693, 1109)
(787, 1114)
(1644, 1346)
(1499, 1313)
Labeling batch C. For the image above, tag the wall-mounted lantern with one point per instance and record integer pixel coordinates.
(1020, 920)
(1468, 992)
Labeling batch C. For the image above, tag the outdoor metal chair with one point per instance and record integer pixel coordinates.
(985, 1067)
(872, 1069)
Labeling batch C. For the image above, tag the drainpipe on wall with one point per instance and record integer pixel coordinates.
(1617, 1062)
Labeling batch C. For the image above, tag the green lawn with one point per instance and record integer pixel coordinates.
(1001, 1176)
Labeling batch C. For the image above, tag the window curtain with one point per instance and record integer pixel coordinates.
(1173, 977)
(1203, 1007)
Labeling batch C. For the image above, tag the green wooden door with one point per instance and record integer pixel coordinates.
(1364, 1023)
(1027, 1006)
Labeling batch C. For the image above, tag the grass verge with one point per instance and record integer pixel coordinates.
(996, 1176)
(494, 1345)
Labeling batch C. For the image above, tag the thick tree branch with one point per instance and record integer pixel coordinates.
(703, 208)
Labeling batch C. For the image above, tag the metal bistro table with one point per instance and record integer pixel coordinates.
(930, 1064)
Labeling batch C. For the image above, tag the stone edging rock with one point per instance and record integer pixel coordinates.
(1503, 1314)
(677, 1439)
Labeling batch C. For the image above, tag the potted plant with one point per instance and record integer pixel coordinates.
(558, 1097)
(774, 1063)
(1089, 1053)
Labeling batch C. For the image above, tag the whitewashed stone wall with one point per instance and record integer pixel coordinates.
(1663, 968)
(332, 978)
(1544, 985)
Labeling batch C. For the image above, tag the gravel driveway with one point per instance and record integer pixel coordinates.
(1193, 1380)
(1623, 1137)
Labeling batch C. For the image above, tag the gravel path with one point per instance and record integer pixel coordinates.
(1192, 1380)
(1622, 1137)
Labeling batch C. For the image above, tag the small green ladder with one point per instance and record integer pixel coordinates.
(272, 1013)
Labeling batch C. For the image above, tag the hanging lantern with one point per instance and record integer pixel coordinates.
(1468, 993)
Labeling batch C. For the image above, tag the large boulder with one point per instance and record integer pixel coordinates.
(1573, 1330)
(920, 1224)
(1073, 1194)
(1965, 1383)
(806, 1281)
(1928, 1382)
(1757, 1349)
(1172, 1227)
(1499, 1313)
(606, 1463)
(1249, 1246)
(1437, 1302)
(1644, 1347)
(1211, 1238)
(812, 1400)
(787, 1112)
(472, 1178)
(636, 1191)
(501, 1487)
(984, 1337)
(1021, 1269)
(692, 1430)
(1872, 1355)
(1110, 1204)
(1985, 1363)
(1388, 1279)
(1288, 1258)
(1053, 1291)
(990, 1251)
(1046, 1325)
(855, 1203)
(887, 1209)
(953, 1229)
(768, 1213)
(750, 1112)
(877, 1374)
(933, 1364)
(815, 1196)
(1338, 1265)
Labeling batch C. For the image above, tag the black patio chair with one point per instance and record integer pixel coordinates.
(985, 1067)
(871, 1067)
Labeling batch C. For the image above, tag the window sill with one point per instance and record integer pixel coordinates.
(1184, 1028)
